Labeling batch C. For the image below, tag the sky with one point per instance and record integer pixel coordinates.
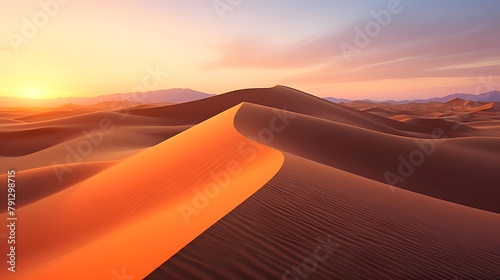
(377, 49)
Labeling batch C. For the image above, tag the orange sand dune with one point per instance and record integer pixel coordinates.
(6, 121)
(463, 110)
(68, 112)
(132, 211)
(154, 105)
(457, 102)
(366, 232)
(15, 112)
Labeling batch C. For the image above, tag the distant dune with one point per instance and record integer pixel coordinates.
(254, 184)
(491, 96)
(370, 153)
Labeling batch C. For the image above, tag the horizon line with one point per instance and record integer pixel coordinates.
(186, 88)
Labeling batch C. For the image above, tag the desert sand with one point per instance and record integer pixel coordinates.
(106, 189)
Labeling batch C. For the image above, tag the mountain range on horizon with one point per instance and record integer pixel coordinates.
(491, 96)
(174, 95)
(182, 95)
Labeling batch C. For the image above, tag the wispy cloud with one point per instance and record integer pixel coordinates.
(429, 40)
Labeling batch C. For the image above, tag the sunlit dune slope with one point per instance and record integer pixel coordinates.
(143, 210)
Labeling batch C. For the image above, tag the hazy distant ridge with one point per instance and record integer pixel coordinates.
(492, 96)
(175, 95)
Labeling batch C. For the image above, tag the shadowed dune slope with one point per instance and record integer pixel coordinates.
(51, 115)
(378, 234)
(41, 182)
(440, 170)
(20, 139)
(33, 140)
(92, 145)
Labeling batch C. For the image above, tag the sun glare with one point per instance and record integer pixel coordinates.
(32, 93)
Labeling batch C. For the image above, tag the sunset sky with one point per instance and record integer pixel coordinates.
(349, 49)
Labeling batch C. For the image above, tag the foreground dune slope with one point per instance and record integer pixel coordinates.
(366, 232)
(138, 213)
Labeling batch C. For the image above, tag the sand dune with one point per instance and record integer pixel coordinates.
(52, 115)
(457, 102)
(375, 233)
(492, 126)
(42, 149)
(89, 137)
(279, 97)
(440, 171)
(42, 182)
(117, 145)
(132, 177)
(456, 109)
(110, 212)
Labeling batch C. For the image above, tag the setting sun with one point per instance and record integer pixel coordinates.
(32, 93)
